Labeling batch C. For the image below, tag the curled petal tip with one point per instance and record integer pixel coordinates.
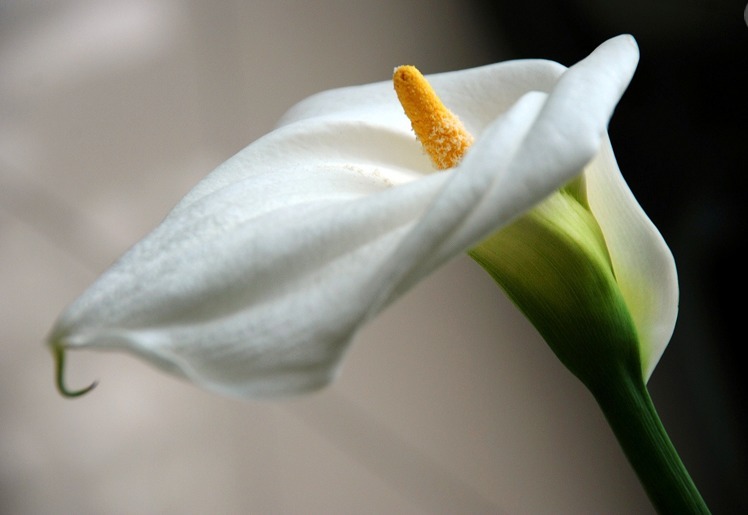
(632, 41)
(58, 352)
(627, 43)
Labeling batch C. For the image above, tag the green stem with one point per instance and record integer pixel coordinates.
(635, 422)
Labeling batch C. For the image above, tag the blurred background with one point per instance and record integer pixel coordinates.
(111, 110)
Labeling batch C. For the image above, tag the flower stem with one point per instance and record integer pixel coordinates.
(632, 416)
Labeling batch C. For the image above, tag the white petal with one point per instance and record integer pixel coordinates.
(257, 281)
(478, 95)
(642, 261)
(249, 305)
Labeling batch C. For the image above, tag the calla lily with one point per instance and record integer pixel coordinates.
(257, 281)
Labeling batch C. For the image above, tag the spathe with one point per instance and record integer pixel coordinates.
(259, 278)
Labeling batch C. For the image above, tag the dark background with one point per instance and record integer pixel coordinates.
(680, 137)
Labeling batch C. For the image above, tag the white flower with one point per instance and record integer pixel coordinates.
(257, 281)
